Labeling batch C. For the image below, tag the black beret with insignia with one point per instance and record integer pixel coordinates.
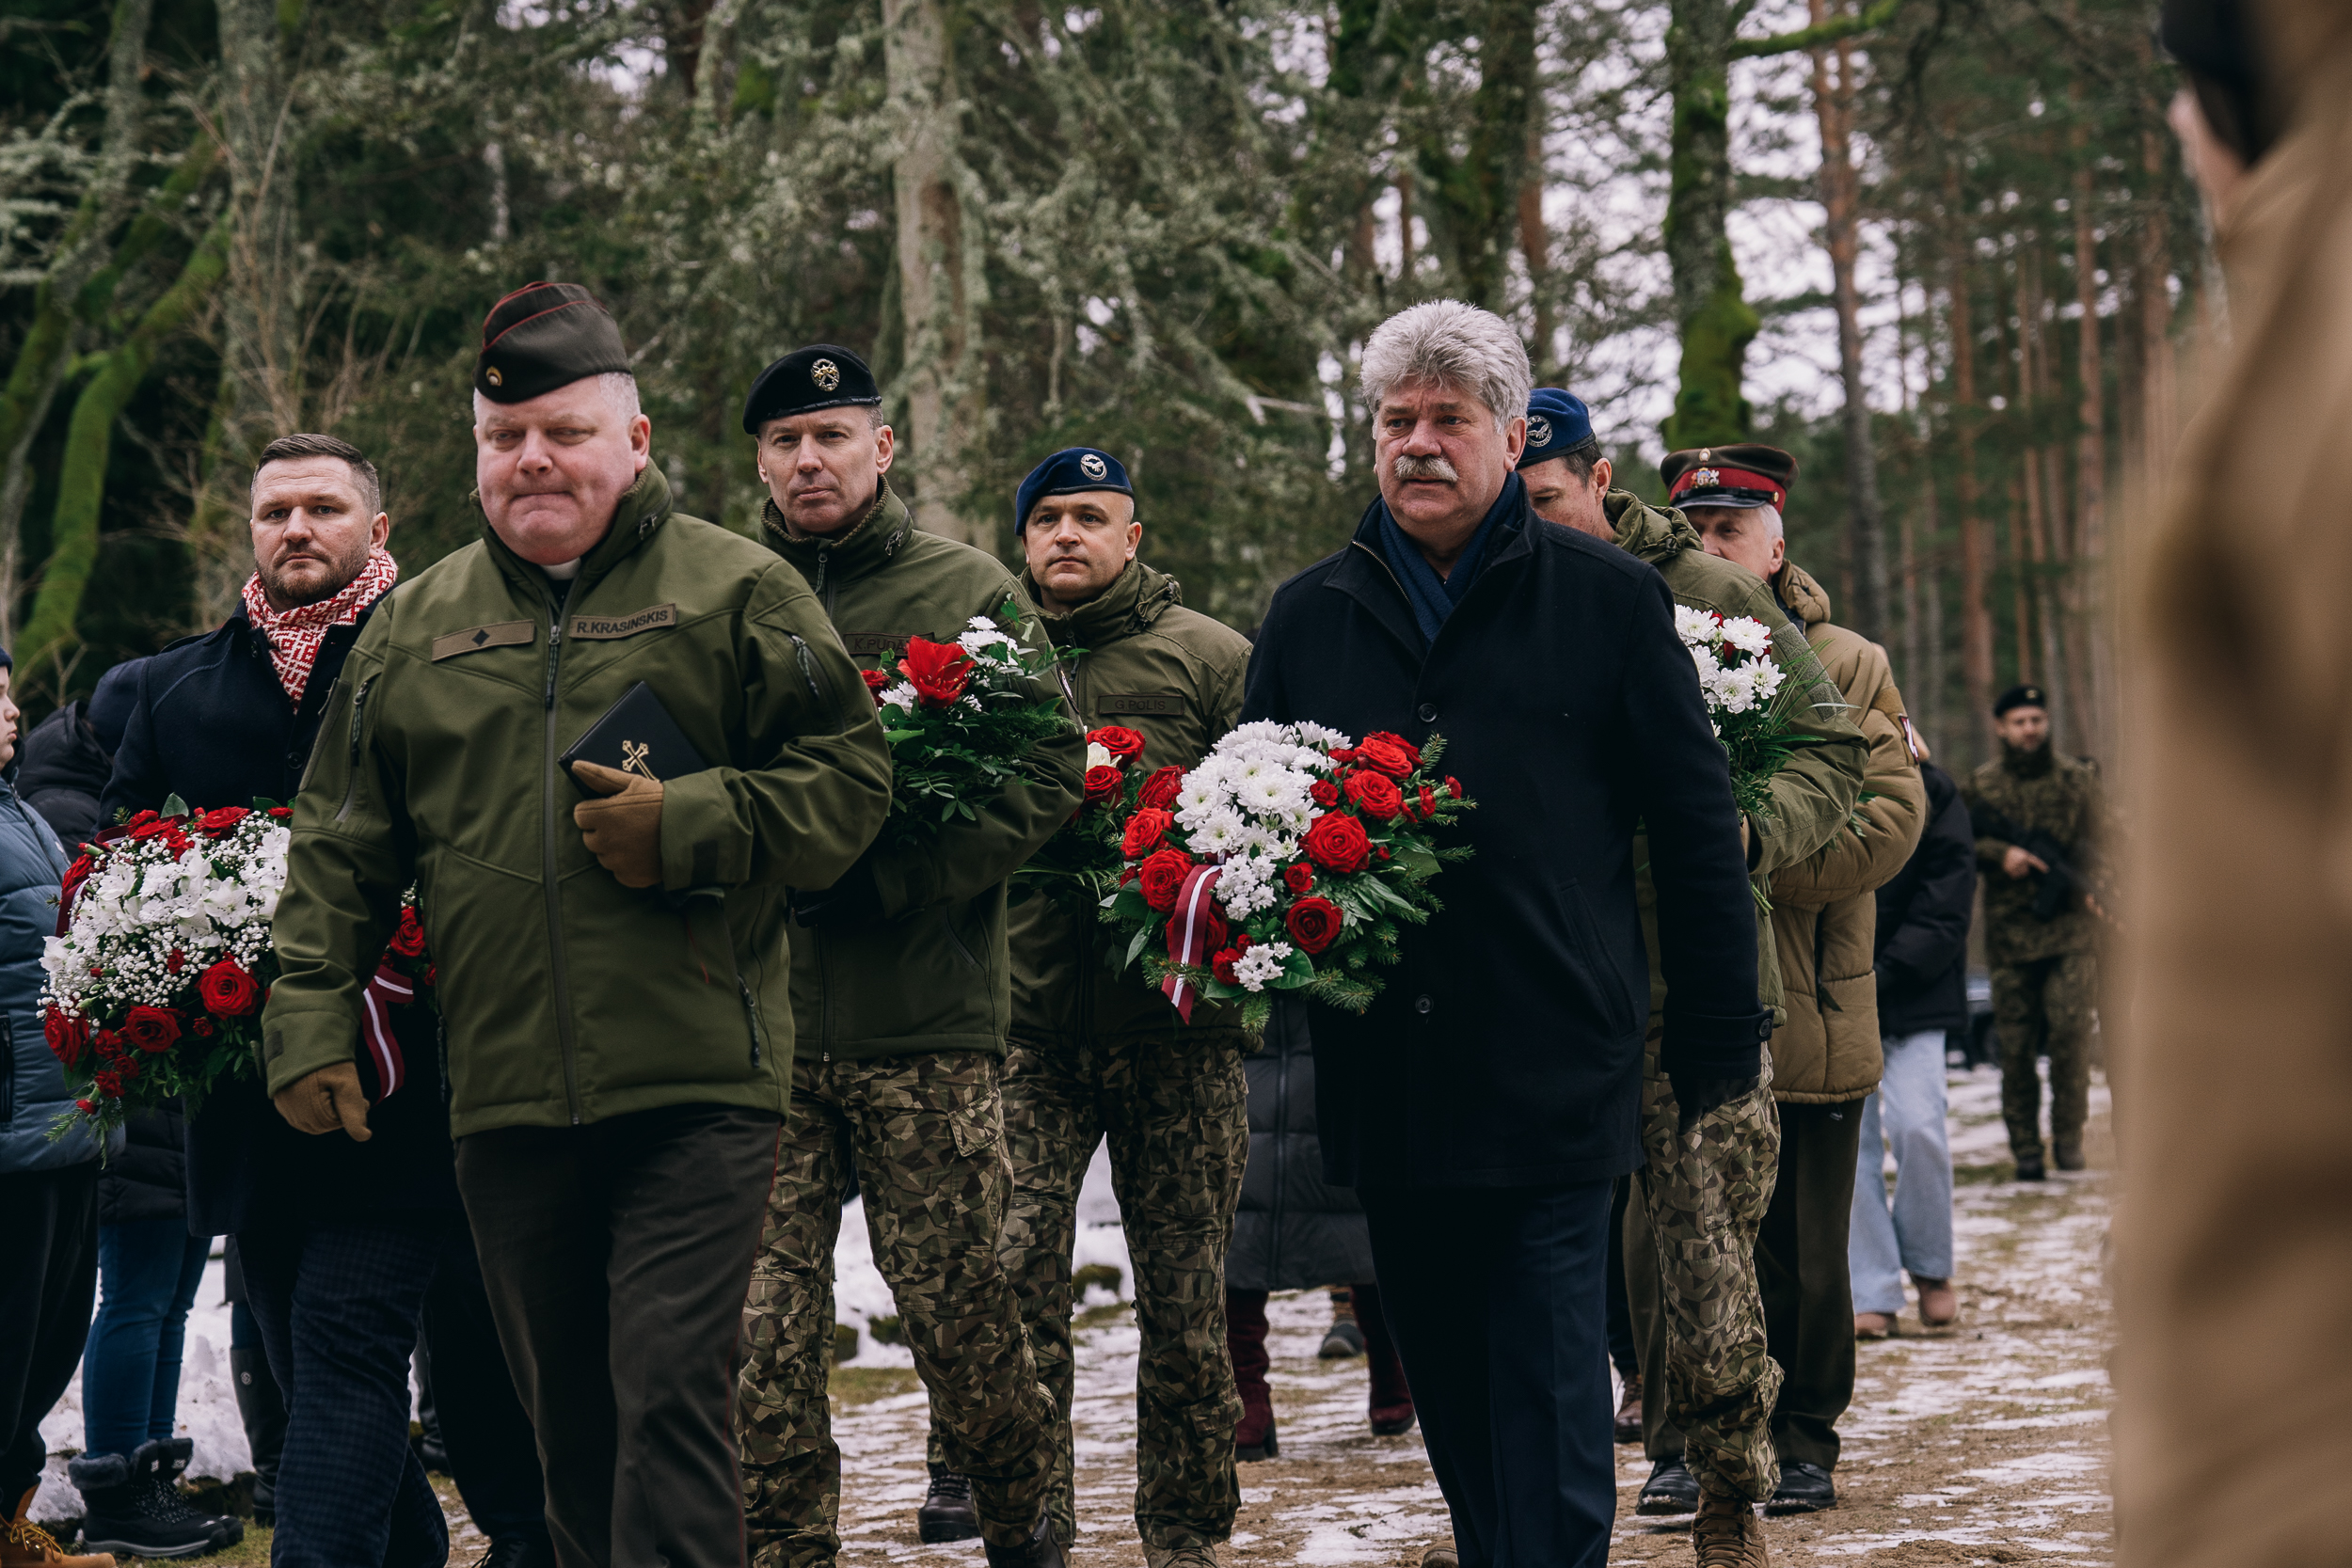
(1747, 474)
(822, 376)
(2027, 695)
(543, 336)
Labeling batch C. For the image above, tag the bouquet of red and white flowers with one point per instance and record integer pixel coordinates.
(1747, 695)
(961, 721)
(162, 961)
(1289, 859)
(1082, 863)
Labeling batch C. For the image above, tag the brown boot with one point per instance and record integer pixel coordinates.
(1729, 1534)
(25, 1544)
(1628, 1422)
(1872, 1325)
(1939, 1304)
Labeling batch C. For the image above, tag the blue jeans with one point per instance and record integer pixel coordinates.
(148, 1271)
(1916, 1234)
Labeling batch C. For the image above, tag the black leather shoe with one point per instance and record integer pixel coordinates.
(1670, 1489)
(1040, 1550)
(947, 1513)
(1803, 1489)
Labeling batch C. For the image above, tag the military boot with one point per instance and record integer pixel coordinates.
(2067, 1153)
(1728, 1533)
(1040, 1550)
(947, 1513)
(1179, 1557)
(2029, 1167)
(25, 1544)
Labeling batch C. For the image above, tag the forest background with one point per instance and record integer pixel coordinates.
(1943, 250)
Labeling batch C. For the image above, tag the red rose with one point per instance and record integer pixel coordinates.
(282, 811)
(1144, 831)
(110, 1048)
(1326, 793)
(1123, 744)
(1428, 801)
(1375, 795)
(228, 990)
(877, 681)
(159, 827)
(1222, 964)
(202, 1028)
(1161, 789)
(174, 961)
(1314, 923)
(87, 1107)
(1335, 842)
(67, 1036)
(1162, 876)
(1391, 753)
(409, 937)
(1299, 878)
(142, 819)
(1454, 786)
(937, 670)
(107, 1085)
(75, 875)
(221, 820)
(1103, 785)
(152, 1029)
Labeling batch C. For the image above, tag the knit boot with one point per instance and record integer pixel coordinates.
(25, 1544)
(135, 1506)
(1245, 1337)
(1391, 1400)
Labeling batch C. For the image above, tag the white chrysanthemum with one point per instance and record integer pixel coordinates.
(1708, 666)
(1748, 634)
(1324, 737)
(1196, 797)
(1259, 965)
(981, 623)
(1735, 690)
(1243, 739)
(1098, 754)
(1276, 792)
(1219, 833)
(900, 696)
(1696, 627)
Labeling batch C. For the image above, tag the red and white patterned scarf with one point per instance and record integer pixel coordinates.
(296, 635)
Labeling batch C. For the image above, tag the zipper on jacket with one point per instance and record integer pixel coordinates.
(548, 875)
(819, 686)
(751, 1011)
(351, 770)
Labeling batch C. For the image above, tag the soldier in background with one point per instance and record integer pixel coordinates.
(2040, 934)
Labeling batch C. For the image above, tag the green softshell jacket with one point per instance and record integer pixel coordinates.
(933, 972)
(1814, 793)
(2060, 796)
(568, 998)
(1174, 677)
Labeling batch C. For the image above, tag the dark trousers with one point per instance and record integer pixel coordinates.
(49, 1242)
(493, 1455)
(1623, 1351)
(336, 1302)
(148, 1271)
(1494, 1296)
(1802, 1273)
(618, 1257)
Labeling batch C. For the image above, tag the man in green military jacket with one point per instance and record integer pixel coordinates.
(1690, 1238)
(901, 998)
(1099, 1054)
(610, 945)
(2044, 950)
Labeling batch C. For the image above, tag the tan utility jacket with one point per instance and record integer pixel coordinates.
(1824, 916)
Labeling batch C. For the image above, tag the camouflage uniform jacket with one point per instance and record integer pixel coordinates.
(2061, 797)
(1825, 910)
(1174, 677)
(568, 998)
(1814, 794)
(932, 974)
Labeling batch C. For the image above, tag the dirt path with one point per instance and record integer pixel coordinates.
(1983, 1444)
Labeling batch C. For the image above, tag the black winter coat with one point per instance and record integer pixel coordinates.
(147, 1178)
(213, 726)
(1922, 952)
(1293, 1231)
(1506, 1047)
(61, 771)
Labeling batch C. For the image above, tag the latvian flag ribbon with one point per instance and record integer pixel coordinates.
(388, 988)
(1188, 934)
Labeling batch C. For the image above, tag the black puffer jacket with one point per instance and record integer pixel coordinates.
(62, 771)
(1294, 1231)
(1922, 953)
(147, 1178)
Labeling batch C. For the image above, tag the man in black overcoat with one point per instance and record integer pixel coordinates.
(1488, 1099)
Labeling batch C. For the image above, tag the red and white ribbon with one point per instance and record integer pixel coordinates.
(389, 988)
(1188, 934)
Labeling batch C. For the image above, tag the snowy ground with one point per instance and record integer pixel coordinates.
(1983, 1443)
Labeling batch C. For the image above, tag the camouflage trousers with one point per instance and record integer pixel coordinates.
(1176, 1112)
(2046, 1005)
(1689, 1256)
(928, 1140)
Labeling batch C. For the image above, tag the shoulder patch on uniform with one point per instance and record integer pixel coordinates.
(866, 645)
(1142, 701)
(609, 629)
(498, 634)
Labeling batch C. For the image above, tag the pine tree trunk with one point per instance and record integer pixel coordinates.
(1975, 617)
(1841, 199)
(1711, 314)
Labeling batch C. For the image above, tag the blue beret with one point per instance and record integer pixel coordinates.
(1557, 425)
(1070, 471)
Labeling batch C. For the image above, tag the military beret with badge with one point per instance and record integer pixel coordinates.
(543, 336)
(822, 376)
(1072, 471)
(1746, 474)
(1557, 425)
(2027, 695)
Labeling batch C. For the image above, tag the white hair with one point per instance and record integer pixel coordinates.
(618, 387)
(1446, 342)
(1769, 514)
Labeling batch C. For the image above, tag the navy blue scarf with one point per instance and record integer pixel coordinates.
(1433, 597)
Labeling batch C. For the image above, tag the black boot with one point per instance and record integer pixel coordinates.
(261, 1409)
(1040, 1550)
(947, 1513)
(1803, 1489)
(1670, 1489)
(2029, 1167)
(135, 1508)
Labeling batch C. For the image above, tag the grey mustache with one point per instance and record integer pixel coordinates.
(1423, 467)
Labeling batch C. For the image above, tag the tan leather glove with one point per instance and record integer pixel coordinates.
(623, 829)
(320, 1101)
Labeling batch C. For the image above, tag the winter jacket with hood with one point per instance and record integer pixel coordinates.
(1505, 1046)
(1174, 677)
(1293, 1229)
(32, 1089)
(1923, 920)
(567, 998)
(933, 972)
(1824, 914)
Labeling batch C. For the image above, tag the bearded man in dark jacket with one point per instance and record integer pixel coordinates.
(1486, 1101)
